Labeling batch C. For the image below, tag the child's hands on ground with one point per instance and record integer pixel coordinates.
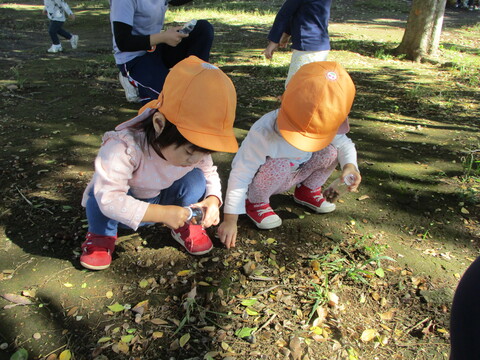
(271, 47)
(227, 231)
(210, 206)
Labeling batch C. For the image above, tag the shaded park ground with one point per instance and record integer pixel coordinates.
(373, 280)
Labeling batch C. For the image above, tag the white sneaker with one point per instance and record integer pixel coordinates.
(55, 48)
(74, 41)
(131, 92)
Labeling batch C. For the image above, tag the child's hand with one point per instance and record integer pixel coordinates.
(72, 17)
(284, 40)
(170, 36)
(331, 194)
(174, 216)
(351, 169)
(227, 231)
(271, 47)
(212, 213)
(171, 215)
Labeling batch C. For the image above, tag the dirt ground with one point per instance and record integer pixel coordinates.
(372, 280)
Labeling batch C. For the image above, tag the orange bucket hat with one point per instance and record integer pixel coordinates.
(315, 105)
(200, 100)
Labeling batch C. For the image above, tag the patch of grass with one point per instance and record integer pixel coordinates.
(471, 164)
(320, 296)
(383, 55)
(471, 176)
(384, 5)
(19, 78)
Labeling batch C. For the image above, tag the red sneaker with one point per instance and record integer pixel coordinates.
(97, 251)
(312, 199)
(193, 238)
(262, 215)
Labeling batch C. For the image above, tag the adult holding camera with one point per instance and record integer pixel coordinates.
(144, 52)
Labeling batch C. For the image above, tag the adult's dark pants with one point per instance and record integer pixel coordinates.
(150, 70)
(465, 317)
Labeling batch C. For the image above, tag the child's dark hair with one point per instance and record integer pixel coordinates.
(169, 136)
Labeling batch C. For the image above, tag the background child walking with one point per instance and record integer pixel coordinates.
(298, 145)
(156, 164)
(306, 23)
(55, 11)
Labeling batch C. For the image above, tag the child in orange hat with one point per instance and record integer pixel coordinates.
(152, 168)
(299, 144)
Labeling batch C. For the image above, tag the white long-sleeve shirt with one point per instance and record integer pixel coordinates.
(264, 140)
(56, 9)
(122, 166)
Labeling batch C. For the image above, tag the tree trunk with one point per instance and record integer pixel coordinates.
(424, 27)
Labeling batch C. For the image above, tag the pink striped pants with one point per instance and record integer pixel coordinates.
(277, 176)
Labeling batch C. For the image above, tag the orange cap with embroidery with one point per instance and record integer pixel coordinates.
(315, 105)
(200, 100)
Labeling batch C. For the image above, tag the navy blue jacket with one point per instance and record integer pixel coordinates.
(306, 21)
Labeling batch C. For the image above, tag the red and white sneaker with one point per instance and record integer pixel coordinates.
(312, 199)
(262, 215)
(97, 251)
(193, 238)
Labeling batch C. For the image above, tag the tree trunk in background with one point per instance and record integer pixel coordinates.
(424, 27)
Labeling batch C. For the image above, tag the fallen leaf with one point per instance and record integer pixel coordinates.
(251, 312)
(207, 328)
(387, 316)
(103, 339)
(116, 307)
(157, 321)
(333, 299)
(17, 299)
(73, 311)
(295, 347)
(245, 332)
(126, 339)
(321, 316)
(184, 339)
(184, 272)
(157, 334)
(141, 307)
(248, 302)
(369, 335)
(65, 355)
(123, 347)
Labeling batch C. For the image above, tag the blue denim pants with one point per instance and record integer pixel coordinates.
(55, 29)
(183, 192)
